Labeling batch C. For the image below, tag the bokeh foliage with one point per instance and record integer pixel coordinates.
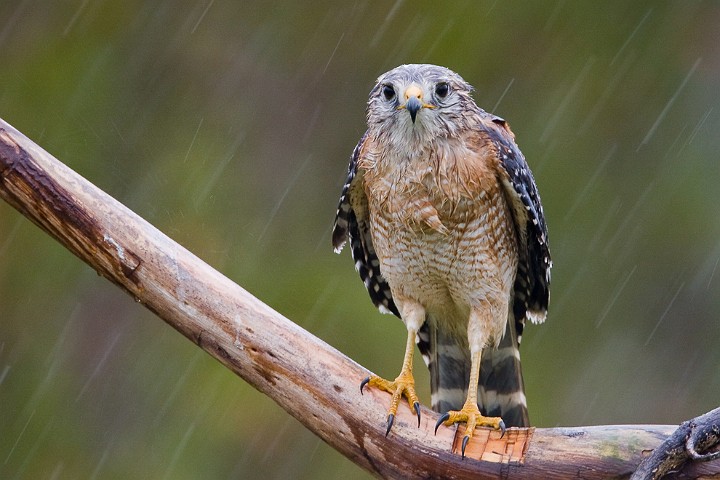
(228, 125)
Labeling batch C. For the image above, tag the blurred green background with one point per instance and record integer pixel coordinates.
(229, 125)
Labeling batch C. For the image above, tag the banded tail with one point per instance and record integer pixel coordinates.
(501, 391)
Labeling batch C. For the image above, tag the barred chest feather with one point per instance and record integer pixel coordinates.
(442, 228)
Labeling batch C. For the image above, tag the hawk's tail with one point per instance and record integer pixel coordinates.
(449, 364)
(501, 392)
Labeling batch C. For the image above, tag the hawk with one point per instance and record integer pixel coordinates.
(447, 232)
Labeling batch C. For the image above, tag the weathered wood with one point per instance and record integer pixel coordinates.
(308, 378)
(696, 439)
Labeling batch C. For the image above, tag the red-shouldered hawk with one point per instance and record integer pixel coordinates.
(447, 232)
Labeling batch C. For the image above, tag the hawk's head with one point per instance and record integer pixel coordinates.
(413, 104)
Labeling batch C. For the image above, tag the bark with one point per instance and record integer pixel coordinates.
(308, 378)
(697, 439)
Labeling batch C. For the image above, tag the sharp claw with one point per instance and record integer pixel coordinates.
(466, 438)
(363, 383)
(416, 406)
(441, 420)
(390, 421)
(502, 428)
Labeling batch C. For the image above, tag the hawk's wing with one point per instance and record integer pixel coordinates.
(352, 221)
(532, 283)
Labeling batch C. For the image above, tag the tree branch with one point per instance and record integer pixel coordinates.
(696, 439)
(308, 378)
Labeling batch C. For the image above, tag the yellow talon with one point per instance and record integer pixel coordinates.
(402, 386)
(471, 416)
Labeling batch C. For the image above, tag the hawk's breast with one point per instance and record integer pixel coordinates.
(447, 268)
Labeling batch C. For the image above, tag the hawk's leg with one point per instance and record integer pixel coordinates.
(470, 413)
(404, 384)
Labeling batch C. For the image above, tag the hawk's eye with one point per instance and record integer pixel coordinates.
(388, 92)
(442, 89)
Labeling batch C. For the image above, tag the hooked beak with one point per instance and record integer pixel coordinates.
(413, 101)
(413, 106)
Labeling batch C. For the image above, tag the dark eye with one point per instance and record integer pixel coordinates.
(442, 89)
(388, 92)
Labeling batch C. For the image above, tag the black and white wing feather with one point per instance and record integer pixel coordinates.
(532, 283)
(352, 222)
